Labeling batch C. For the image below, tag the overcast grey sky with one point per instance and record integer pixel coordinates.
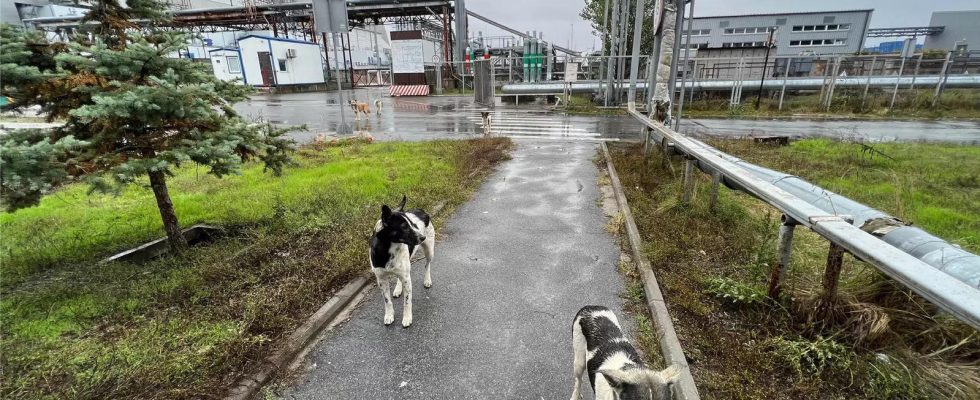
(559, 18)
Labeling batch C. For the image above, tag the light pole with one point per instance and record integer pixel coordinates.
(758, 99)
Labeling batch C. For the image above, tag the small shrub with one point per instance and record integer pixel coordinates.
(735, 292)
(889, 378)
(812, 357)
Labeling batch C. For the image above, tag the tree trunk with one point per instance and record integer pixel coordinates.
(158, 180)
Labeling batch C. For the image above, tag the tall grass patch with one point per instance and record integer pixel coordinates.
(187, 326)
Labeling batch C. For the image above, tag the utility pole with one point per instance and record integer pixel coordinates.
(605, 38)
(758, 99)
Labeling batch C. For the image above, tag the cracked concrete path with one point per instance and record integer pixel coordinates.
(513, 267)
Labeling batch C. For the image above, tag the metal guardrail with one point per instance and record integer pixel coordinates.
(945, 291)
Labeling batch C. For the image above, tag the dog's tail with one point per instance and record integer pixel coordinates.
(671, 374)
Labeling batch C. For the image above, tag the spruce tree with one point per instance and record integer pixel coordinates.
(131, 109)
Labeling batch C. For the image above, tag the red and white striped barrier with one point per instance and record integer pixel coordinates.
(408, 90)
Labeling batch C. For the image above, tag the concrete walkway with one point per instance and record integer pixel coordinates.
(513, 267)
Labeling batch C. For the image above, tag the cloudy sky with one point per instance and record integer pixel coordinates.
(559, 19)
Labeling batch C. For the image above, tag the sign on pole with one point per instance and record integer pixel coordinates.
(330, 15)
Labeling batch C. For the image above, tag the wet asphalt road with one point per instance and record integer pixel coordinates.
(427, 118)
(512, 268)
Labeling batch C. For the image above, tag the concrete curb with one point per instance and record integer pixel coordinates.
(670, 345)
(304, 335)
(293, 347)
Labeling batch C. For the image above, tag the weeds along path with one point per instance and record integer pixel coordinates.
(511, 269)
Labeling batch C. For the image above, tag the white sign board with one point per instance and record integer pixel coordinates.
(407, 56)
(571, 71)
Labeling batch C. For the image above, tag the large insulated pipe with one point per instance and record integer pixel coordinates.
(942, 255)
(957, 81)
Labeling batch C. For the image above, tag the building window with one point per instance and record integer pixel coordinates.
(282, 65)
(742, 44)
(747, 31)
(818, 42)
(821, 28)
(234, 67)
(700, 32)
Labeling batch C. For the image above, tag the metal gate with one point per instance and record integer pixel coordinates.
(483, 84)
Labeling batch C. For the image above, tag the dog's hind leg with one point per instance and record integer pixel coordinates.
(429, 246)
(384, 283)
(579, 347)
(407, 309)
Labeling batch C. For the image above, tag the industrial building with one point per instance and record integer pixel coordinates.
(802, 33)
(961, 32)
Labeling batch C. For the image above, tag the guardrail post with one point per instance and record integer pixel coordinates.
(784, 252)
(867, 84)
(831, 277)
(782, 93)
(942, 80)
(688, 180)
(715, 184)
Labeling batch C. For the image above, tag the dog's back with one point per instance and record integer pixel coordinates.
(615, 368)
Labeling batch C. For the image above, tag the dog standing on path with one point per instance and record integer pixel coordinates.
(615, 368)
(360, 108)
(487, 120)
(397, 236)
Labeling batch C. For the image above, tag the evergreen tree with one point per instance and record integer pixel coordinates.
(130, 109)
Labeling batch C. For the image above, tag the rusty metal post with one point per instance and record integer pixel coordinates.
(784, 251)
(831, 277)
(688, 180)
(715, 185)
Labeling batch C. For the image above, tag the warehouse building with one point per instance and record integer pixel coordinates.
(802, 33)
(961, 32)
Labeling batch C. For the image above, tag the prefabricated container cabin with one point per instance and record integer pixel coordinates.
(227, 64)
(271, 61)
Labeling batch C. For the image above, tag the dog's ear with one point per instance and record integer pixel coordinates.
(618, 378)
(401, 206)
(385, 213)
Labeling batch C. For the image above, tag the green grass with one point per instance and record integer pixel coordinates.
(580, 104)
(882, 341)
(847, 103)
(188, 326)
(933, 186)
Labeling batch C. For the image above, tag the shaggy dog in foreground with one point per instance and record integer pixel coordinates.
(397, 236)
(615, 369)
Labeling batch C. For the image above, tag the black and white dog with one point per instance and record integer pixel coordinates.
(616, 370)
(397, 236)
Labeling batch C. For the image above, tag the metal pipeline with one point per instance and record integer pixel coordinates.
(953, 81)
(918, 243)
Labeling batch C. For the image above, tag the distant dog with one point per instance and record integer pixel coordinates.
(397, 236)
(377, 107)
(616, 370)
(487, 120)
(360, 108)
